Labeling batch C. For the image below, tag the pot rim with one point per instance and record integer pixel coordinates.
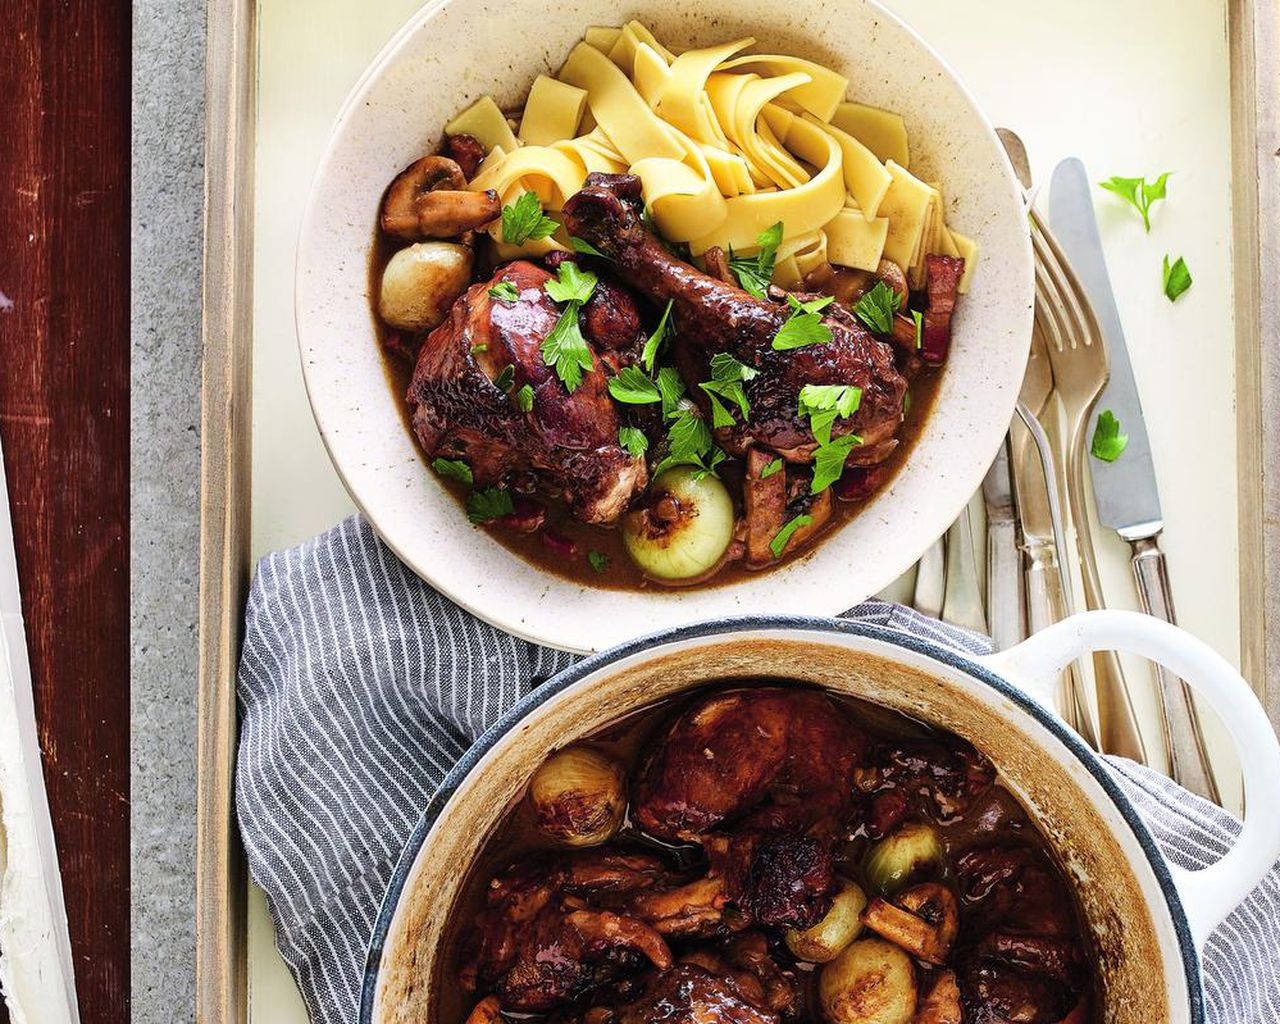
(951, 657)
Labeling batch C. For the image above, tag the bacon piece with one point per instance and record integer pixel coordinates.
(941, 278)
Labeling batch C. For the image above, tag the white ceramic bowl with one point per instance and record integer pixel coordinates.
(456, 50)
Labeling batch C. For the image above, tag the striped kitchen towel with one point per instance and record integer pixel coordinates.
(360, 686)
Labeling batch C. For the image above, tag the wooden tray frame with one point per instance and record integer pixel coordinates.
(231, 65)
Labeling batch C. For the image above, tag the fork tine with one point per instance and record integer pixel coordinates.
(1082, 323)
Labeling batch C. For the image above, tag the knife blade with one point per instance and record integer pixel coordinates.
(36, 973)
(1125, 491)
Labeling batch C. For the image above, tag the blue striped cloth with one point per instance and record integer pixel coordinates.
(360, 686)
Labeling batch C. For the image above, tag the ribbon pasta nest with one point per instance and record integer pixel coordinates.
(726, 143)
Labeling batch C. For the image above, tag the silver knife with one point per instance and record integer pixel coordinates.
(1125, 490)
(1004, 578)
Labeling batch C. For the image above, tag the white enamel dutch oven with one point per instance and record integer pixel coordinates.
(1149, 919)
(454, 51)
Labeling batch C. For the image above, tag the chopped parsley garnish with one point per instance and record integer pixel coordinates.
(599, 560)
(918, 318)
(804, 326)
(489, 504)
(633, 440)
(823, 403)
(524, 220)
(755, 273)
(650, 354)
(453, 469)
(689, 444)
(1138, 193)
(770, 468)
(1177, 278)
(1108, 442)
(586, 248)
(524, 398)
(479, 348)
(876, 308)
(505, 291)
(671, 385)
(783, 536)
(727, 378)
(506, 378)
(829, 460)
(634, 387)
(564, 348)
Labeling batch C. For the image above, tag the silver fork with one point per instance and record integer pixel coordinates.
(1080, 372)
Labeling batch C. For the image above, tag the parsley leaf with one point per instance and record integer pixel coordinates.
(1108, 442)
(823, 403)
(633, 440)
(755, 273)
(599, 560)
(918, 317)
(488, 504)
(783, 536)
(727, 377)
(564, 348)
(671, 385)
(573, 284)
(479, 348)
(524, 398)
(633, 387)
(650, 354)
(453, 469)
(1138, 192)
(524, 220)
(1177, 278)
(805, 326)
(689, 444)
(770, 468)
(586, 248)
(505, 291)
(876, 308)
(506, 378)
(829, 460)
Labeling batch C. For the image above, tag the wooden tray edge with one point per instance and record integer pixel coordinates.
(1253, 28)
(225, 449)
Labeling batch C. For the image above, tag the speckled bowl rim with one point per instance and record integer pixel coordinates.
(425, 529)
(778, 626)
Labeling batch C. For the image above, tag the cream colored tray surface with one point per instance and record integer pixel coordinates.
(1071, 79)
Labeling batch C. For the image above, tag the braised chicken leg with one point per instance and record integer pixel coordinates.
(713, 316)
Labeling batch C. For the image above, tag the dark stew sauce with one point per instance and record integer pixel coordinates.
(740, 813)
(563, 546)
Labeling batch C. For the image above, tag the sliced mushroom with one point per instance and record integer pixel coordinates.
(924, 921)
(716, 263)
(892, 275)
(430, 199)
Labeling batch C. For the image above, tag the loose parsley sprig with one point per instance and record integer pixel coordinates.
(829, 460)
(804, 326)
(633, 439)
(524, 220)
(1176, 277)
(654, 343)
(489, 504)
(824, 403)
(728, 376)
(453, 469)
(755, 273)
(1138, 193)
(504, 291)
(633, 387)
(771, 467)
(564, 348)
(876, 308)
(1108, 442)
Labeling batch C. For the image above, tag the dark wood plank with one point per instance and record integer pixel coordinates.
(64, 419)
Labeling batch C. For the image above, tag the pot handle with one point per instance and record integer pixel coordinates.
(1210, 894)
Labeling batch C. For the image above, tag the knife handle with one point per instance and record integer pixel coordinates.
(1045, 606)
(1004, 584)
(1188, 759)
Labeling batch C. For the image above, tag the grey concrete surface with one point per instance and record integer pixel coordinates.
(168, 157)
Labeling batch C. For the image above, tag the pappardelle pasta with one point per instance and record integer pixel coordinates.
(675, 318)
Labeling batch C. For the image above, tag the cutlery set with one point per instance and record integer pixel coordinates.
(1078, 365)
